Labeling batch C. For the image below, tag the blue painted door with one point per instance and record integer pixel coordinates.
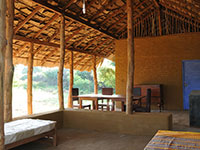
(191, 79)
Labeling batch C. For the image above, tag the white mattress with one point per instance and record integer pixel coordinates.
(25, 128)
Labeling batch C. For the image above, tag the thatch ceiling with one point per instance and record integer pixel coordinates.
(94, 33)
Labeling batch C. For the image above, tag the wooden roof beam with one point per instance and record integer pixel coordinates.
(92, 42)
(87, 6)
(183, 14)
(27, 19)
(73, 34)
(107, 46)
(82, 39)
(73, 17)
(122, 19)
(80, 60)
(51, 53)
(69, 4)
(86, 64)
(112, 14)
(156, 3)
(125, 26)
(51, 20)
(36, 41)
(101, 10)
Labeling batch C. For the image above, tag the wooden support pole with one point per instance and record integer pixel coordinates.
(95, 76)
(70, 102)
(159, 22)
(130, 54)
(2, 51)
(61, 65)
(30, 79)
(9, 68)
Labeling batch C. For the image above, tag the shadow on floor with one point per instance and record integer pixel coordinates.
(70, 139)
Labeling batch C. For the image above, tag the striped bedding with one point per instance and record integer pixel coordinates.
(173, 140)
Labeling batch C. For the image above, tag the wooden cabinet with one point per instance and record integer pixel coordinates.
(156, 94)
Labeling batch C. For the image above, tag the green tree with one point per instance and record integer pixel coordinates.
(106, 77)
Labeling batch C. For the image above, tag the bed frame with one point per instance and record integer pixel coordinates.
(52, 133)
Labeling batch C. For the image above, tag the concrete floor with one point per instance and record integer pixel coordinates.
(69, 139)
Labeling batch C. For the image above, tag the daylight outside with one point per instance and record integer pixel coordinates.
(45, 91)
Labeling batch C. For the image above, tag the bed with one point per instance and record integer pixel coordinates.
(174, 140)
(27, 130)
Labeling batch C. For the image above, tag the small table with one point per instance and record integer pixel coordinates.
(95, 97)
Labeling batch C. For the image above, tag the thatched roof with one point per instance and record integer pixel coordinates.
(94, 33)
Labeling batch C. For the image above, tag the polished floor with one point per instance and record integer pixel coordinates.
(69, 139)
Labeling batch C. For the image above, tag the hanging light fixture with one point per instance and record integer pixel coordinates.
(84, 8)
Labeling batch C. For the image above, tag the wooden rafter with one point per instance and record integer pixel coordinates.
(107, 46)
(86, 64)
(101, 10)
(88, 5)
(51, 20)
(75, 33)
(125, 26)
(82, 39)
(98, 46)
(72, 17)
(92, 42)
(112, 14)
(80, 60)
(69, 4)
(184, 6)
(181, 13)
(125, 16)
(51, 53)
(36, 41)
(27, 19)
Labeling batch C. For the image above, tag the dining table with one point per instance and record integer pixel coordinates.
(114, 98)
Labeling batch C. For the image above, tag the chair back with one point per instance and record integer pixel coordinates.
(107, 91)
(75, 92)
(137, 91)
(148, 101)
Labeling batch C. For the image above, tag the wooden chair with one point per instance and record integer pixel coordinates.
(147, 107)
(75, 92)
(105, 91)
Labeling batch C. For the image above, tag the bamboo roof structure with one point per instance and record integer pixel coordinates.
(93, 33)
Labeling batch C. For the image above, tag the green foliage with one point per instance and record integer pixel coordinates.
(84, 81)
(106, 77)
(46, 78)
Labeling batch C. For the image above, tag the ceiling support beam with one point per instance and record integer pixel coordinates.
(51, 20)
(36, 41)
(72, 17)
(27, 19)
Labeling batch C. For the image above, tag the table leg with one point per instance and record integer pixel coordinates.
(93, 105)
(108, 100)
(80, 103)
(113, 105)
(96, 104)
